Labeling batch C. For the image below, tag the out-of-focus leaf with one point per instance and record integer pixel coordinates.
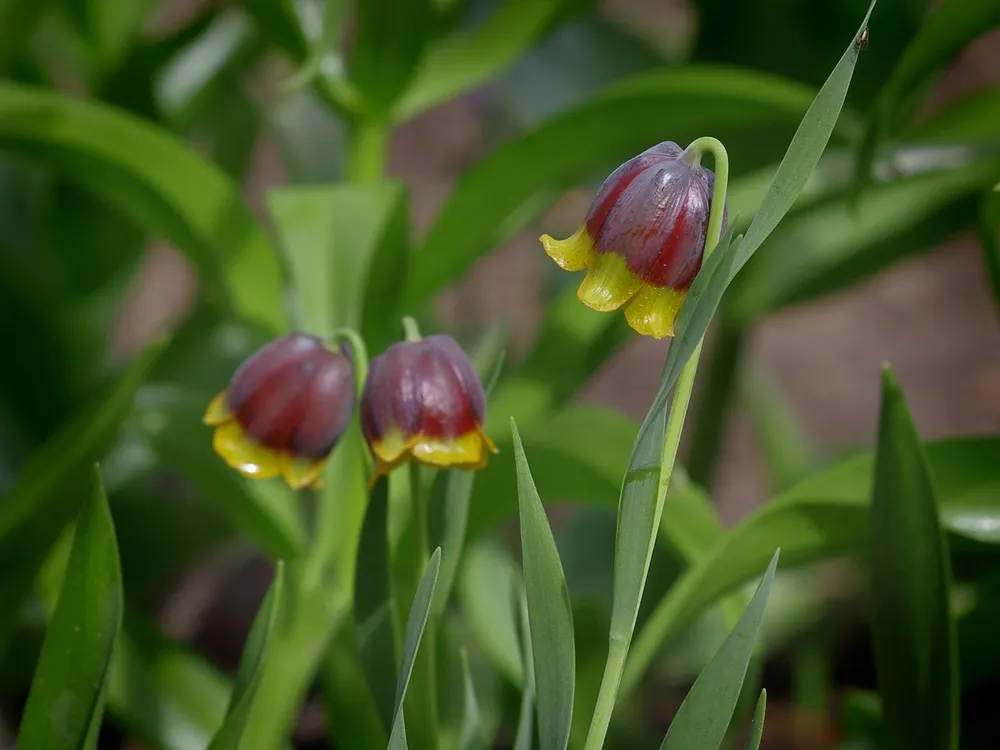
(825, 248)
(467, 59)
(989, 227)
(419, 612)
(944, 34)
(550, 614)
(266, 512)
(161, 691)
(347, 252)
(52, 485)
(824, 516)
(278, 19)
(972, 118)
(488, 595)
(255, 653)
(913, 636)
(702, 719)
(390, 42)
(17, 22)
(470, 736)
(516, 181)
(110, 28)
(757, 724)
(375, 616)
(69, 691)
(162, 184)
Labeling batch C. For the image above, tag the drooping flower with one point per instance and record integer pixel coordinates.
(424, 400)
(643, 240)
(284, 410)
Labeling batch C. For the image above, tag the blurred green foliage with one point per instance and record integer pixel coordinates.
(127, 124)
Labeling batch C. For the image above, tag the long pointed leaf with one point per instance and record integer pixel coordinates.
(550, 614)
(69, 689)
(704, 716)
(419, 612)
(913, 635)
(757, 723)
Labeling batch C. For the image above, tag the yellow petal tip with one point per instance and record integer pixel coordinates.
(608, 284)
(575, 253)
(653, 311)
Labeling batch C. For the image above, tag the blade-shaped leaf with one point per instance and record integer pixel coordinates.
(468, 59)
(822, 517)
(703, 718)
(550, 614)
(158, 181)
(470, 735)
(419, 612)
(525, 722)
(757, 723)
(515, 182)
(375, 618)
(913, 635)
(69, 689)
(255, 654)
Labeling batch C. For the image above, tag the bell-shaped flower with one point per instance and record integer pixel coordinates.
(424, 400)
(643, 240)
(284, 410)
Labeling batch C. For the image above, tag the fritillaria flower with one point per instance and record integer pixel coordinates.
(643, 239)
(284, 410)
(424, 400)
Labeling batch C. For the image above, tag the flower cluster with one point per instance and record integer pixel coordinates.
(289, 403)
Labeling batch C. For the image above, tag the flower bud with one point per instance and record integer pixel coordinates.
(284, 410)
(643, 239)
(424, 400)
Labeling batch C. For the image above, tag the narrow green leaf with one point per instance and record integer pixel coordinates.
(945, 32)
(465, 59)
(822, 517)
(419, 612)
(974, 118)
(519, 179)
(913, 635)
(550, 614)
(525, 723)
(703, 718)
(255, 654)
(159, 182)
(342, 243)
(69, 690)
(637, 519)
(989, 227)
(486, 587)
(279, 20)
(470, 734)
(375, 617)
(757, 724)
(389, 45)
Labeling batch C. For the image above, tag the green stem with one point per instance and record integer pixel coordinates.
(713, 402)
(618, 650)
(369, 141)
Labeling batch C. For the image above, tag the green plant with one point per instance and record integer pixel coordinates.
(643, 589)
